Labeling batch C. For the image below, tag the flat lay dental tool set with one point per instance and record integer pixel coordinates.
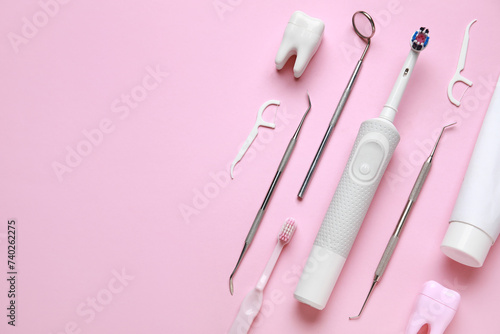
(474, 224)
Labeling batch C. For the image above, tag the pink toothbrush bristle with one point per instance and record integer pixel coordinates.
(287, 230)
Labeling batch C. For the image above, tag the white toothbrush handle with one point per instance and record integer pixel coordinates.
(250, 306)
(241, 324)
(270, 266)
(376, 141)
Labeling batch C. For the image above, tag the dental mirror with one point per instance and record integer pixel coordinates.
(364, 27)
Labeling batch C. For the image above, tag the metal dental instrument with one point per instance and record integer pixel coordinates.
(260, 213)
(365, 36)
(255, 130)
(393, 241)
(460, 67)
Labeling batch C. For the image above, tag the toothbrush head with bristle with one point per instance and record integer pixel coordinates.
(287, 231)
(420, 39)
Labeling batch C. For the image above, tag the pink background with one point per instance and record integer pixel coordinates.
(120, 208)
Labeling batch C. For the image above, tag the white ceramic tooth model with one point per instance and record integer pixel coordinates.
(302, 38)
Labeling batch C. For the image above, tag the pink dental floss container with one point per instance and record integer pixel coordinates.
(435, 306)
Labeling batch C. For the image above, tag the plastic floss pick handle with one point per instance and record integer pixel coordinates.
(253, 133)
(460, 67)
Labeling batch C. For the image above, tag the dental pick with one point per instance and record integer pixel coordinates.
(393, 241)
(262, 210)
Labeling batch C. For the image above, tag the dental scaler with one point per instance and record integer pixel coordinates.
(376, 141)
(274, 183)
(393, 241)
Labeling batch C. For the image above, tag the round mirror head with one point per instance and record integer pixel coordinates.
(363, 25)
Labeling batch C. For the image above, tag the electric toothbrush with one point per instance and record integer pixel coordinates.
(376, 141)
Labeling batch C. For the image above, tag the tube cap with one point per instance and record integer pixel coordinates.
(466, 244)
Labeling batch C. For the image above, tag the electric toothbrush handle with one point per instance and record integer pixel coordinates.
(376, 141)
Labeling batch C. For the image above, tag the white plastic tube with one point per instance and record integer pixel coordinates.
(475, 220)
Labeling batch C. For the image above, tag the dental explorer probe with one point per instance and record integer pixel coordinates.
(260, 213)
(343, 99)
(393, 241)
